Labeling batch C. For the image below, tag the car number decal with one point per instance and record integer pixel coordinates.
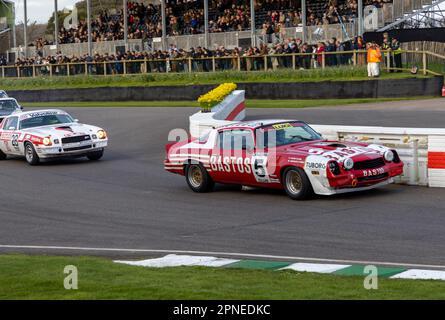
(15, 140)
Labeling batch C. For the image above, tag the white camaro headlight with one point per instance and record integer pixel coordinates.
(101, 134)
(46, 141)
(389, 155)
(348, 163)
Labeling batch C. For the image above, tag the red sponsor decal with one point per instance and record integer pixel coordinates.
(32, 138)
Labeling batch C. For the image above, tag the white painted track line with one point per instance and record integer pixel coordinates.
(227, 254)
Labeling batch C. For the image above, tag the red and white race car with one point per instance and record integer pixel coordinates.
(281, 154)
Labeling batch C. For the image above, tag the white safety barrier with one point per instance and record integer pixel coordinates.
(231, 109)
(421, 149)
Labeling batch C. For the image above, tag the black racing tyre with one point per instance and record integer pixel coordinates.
(297, 184)
(2, 155)
(198, 178)
(30, 154)
(96, 155)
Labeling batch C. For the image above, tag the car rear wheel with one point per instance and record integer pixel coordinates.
(31, 155)
(198, 178)
(297, 184)
(94, 156)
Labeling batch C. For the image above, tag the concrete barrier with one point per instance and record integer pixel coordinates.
(378, 88)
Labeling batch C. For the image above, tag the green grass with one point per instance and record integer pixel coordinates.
(61, 82)
(41, 277)
(249, 103)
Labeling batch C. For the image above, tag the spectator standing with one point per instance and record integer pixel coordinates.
(360, 45)
(321, 47)
(397, 53)
(374, 58)
(389, 55)
(340, 57)
(331, 59)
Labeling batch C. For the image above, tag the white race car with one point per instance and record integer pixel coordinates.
(8, 106)
(46, 134)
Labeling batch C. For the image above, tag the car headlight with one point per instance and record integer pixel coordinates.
(46, 141)
(388, 155)
(348, 163)
(101, 134)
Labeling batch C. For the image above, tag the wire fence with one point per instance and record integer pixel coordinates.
(406, 60)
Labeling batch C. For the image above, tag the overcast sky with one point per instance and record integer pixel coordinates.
(40, 10)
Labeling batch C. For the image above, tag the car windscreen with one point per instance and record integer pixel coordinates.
(45, 120)
(8, 105)
(280, 134)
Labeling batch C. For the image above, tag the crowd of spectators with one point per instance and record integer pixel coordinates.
(187, 17)
(143, 21)
(200, 59)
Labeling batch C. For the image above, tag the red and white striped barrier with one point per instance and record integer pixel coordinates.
(231, 109)
(436, 161)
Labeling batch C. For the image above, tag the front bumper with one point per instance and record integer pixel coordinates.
(56, 151)
(356, 189)
(355, 180)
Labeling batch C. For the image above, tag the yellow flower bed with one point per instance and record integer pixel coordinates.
(215, 96)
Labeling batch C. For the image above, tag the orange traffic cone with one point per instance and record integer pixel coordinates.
(443, 91)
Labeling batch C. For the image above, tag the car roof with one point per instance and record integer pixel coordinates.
(254, 124)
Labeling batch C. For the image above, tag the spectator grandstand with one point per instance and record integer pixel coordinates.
(187, 17)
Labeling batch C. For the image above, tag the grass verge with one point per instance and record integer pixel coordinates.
(41, 277)
(249, 103)
(346, 73)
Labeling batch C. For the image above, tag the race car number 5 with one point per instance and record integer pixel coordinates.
(373, 172)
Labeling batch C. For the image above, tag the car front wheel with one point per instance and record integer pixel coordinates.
(31, 155)
(297, 184)
(198, 178)
(2, 155)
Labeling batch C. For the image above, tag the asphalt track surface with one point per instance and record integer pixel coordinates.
(127, 200)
